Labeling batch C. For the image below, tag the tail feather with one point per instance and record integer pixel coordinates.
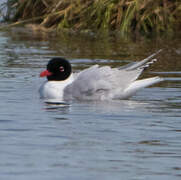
(139, 84)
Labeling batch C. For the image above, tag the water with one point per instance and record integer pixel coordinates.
(132, 139)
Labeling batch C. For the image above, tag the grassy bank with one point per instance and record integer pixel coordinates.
(125, 16)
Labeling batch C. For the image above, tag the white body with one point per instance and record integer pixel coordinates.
(54, 89)
(100, 83)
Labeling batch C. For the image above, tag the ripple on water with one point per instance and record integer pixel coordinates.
(130, 139)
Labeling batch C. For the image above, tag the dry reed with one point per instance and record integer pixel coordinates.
(125, 16)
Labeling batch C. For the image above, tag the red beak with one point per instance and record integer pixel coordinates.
(45, 73)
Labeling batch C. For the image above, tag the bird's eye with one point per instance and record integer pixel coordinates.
(61, 69)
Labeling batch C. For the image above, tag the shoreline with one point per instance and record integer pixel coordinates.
(134, 17)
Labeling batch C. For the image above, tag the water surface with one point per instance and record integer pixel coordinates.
(134, 139)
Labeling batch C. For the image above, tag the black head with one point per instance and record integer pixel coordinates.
(58, 69)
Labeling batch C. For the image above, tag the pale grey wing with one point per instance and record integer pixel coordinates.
(100, 83)
(141, 64)
(90, 83)
(106, 82)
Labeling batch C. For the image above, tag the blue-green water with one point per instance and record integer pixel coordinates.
(132, 139)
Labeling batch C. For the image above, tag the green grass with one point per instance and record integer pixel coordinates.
(125, 16)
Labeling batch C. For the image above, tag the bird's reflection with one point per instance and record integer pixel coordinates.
(58, 106)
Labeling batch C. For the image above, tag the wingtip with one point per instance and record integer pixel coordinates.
(148, 64)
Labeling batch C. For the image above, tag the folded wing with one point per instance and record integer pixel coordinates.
(97, 83)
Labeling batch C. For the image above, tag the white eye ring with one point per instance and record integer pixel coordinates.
(61, 69)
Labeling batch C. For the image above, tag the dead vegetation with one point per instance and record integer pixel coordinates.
(125, 16)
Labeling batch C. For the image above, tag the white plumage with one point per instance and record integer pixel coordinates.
(101, 83)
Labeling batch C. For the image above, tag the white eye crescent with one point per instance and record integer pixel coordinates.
(61, 69)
